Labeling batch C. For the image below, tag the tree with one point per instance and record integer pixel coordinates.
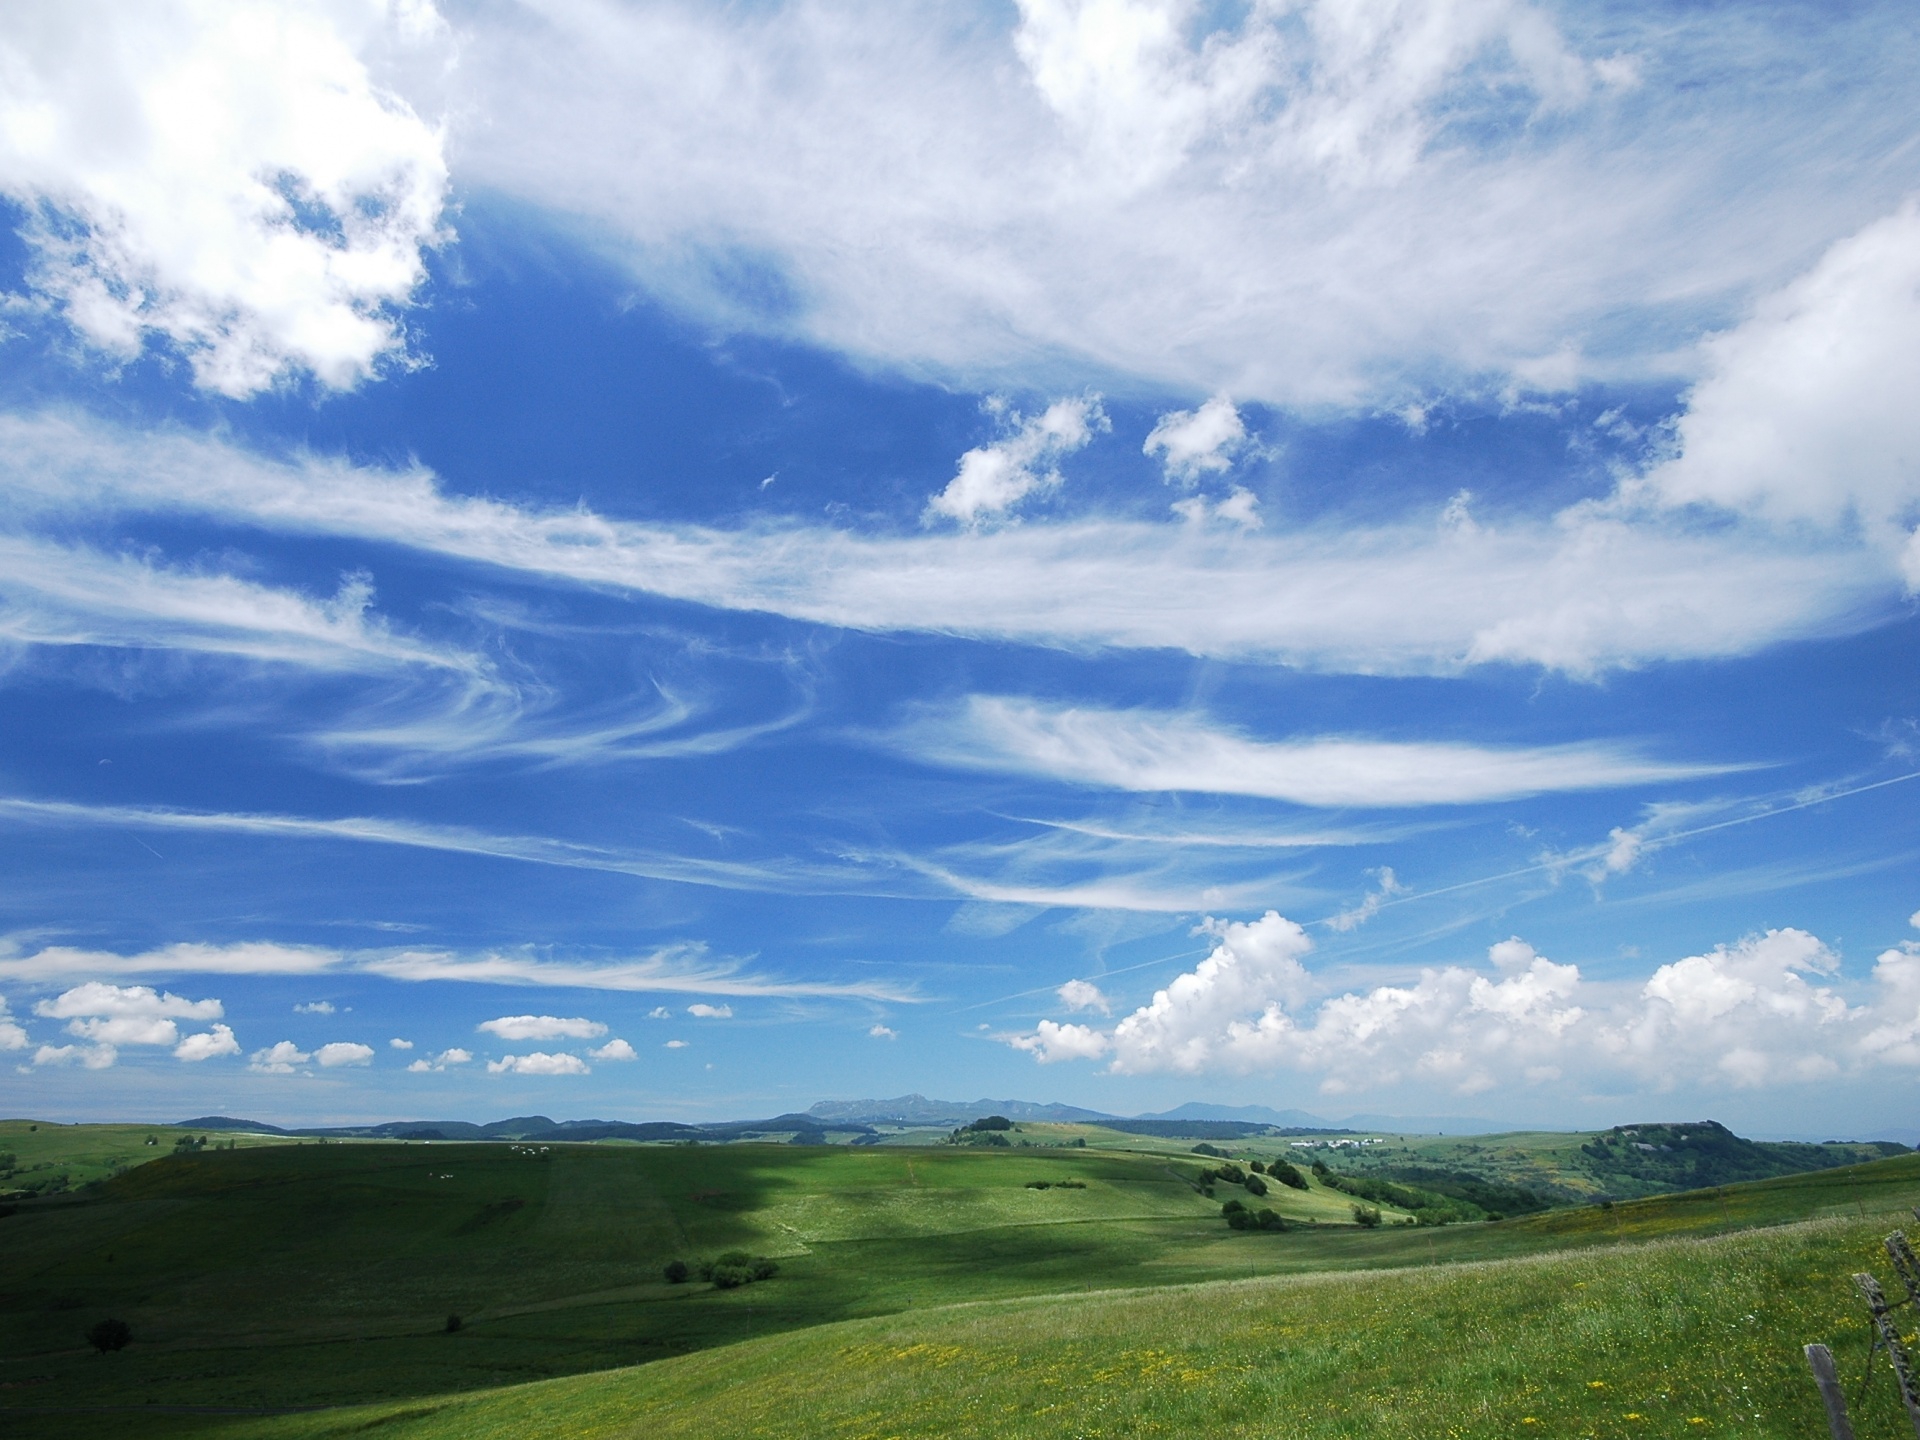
(676, 1272)
(110, 1335)
(454, 1322)
(991, 1122)
(1255, 1185)
(1287, 1175)
(1367, 1217)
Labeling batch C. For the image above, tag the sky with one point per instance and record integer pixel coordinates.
(677, 561)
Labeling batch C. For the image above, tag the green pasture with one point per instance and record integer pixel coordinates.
(51, 1158)
(277, 1276)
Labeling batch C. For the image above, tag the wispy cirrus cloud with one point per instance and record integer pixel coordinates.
(1586, 591)
(1140, 750)
(679, 969)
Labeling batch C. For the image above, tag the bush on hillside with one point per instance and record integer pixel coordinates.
(1255, 1185)
(110, 1335)
(992, 1122)
(1205, 1149)
(1367, 1217)
(1287, 1175)
(1233, 1174)
(454, 1324)
(676, 1272)
(1256, 1167)
(733, 1268)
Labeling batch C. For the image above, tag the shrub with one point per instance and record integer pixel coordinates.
(1255, 1185)
(764, 1269)
(1367, 1217)
(110, 1335)
(454, 1323)
(1233, 1207)
(1256, 1167)
(1270, 1220)
(1320, 1169)
(1069, 1184)
(1205, 1149)
(733, 1268)
(1233, 1174)
(1287, 1175)
(676, 1272)
(1039, 1184)
(991, 1122)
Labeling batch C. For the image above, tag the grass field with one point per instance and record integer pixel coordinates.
(921, 1291)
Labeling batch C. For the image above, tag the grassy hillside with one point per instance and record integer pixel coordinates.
(1673, 1337)
(49, 1159)
(306, 1275)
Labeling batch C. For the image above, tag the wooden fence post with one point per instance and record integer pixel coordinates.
(1890, 1337)
(1820, 1359)
(1904, 1265)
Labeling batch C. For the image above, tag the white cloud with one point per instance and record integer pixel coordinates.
(538, 1063)
(1227, 1009)
(230, 177)
(1370, 904)
(207, 1045)
(1193, 443)
(1052, 1041)
(12, 1036)
(314, 1007)
(1805, 413)
(992, 479)
(343, 1052)
(675, 1045)
(883, 1032)
(1589, 590)
(442, 1061)
(1083, 995)
(542, 1027)
(279, 1059)
(399, 1044)
(115, 1015)
(1298, 202)
(710, 1012)
(94, 1057)
(675, 968)
(1144, 750)
(1241, 509)
(660, 1012)
(615, 1049)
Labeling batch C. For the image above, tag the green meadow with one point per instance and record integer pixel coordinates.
(936, 1290)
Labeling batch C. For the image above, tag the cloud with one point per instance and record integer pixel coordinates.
(231, 178)
(399, 1044)
(1083, 995)
(115, 1015)
(94, 1057)
(314, 1007)
(882, 1032)
(675, 968)
(542, 1027)
(538, 1063)
(1052, 1041)
(1370, 905)
(442, 1061)
(710, 1012)
(1144, 750)
(675, 1045)
(1591, 589)
(279, 1059)
(614, 1050)
(343, 1052)
(12, 1036)
(992, 479)
(1193, 443)
(1805, 414)
(207, 1045)
(1303, 202)
(660, 1012)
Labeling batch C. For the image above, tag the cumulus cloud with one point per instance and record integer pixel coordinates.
(115, 1015)
(282, 1058)
(12, 1036)
(398, 1044)
(1805, 412)
(231, 178)
(93, 1057)
(542, 1027)
(615, 1049)
(314, 1007)
(676, 1045)
(710, 1012)
(1083, 995)
(446, 1058)
(1765, 1011)
(883, 1032)
(343, 1052)
(538, 1063)
(1143, 750)
(207, 1045)
(992, 479)
(660, 1012)
(1194, 443)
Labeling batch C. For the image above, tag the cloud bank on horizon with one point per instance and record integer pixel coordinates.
(1431, 471)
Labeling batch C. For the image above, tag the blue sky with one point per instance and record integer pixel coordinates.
(656, 561)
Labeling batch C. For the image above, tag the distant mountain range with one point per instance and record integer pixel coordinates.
(859, 1117)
